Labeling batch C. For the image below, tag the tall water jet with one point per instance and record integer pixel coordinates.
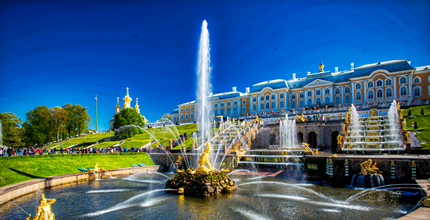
(204, 88)
(288, 134)
(393, 120)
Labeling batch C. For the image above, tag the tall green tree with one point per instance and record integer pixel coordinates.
(38, 128)
(128, 116)
(165, 117)
(12, 133)
(59, 119)
(79, 119)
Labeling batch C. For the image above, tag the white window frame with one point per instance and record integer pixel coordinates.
(368, 84)
(421, 91)
(379, 81)
(357, 85)
(400, 80)
(406, 89)
(386, 92)
(388, 80)
(356, 94)
(377, 94)
(370, 92)
(417, 78)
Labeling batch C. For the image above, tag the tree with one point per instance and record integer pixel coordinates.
(165, 117)
(422, 111)
(415, 125)
(38, 128)
(12, 133)
(128, 116)
(59, 119)
(79, 120)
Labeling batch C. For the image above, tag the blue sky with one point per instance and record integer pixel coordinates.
(58, 52)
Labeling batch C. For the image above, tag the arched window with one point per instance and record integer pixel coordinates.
(191, 115)
(244, 102)
(309, 93)
(216, 105)
(229, 111)
(293, 104)
(273, 97)
(417, 80)
(254, 99)
(182, 116)
(281, 96)
(302, 95)
(267, 97)
(389, 93)
(379, 83)
(403, 91)
(337, 91)
(186, 115)
(417, 91)
(186, 109)
(243, 110)
(370, 95)
(347, 99)
(174, 118)
(337, 100)
(318, 92)
(388, 82)
(379, 93)
(235, 102)
(327, 91)
(222, 111)
(370, 85)
(281, 104)
(228, 103)
(318, 101)
(254, 107)
(302, 104)
(293, 96)
(358, 96)
(358, 86)
(309, 101)
(267, 106)
(403, 80)
(191, 109)
(327, 100)
(182, 109)
(222, 104)
(347, 90)
(235, 111)
(262, 106)
(273, 105)
(262, 98)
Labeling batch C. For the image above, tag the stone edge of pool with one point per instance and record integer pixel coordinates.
(16, 190)
(422, 212)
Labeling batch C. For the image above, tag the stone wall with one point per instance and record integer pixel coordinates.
(163, 160)
(8, 193)
(403, 171)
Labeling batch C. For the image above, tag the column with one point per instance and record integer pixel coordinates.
(306, 97)
(332, 94)
(352, 93)
(410, 87)
(394, 83)
(365, 92)
(341, 94)
(276, 101)
(239, 106)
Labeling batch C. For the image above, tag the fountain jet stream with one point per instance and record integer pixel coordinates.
(16, 206)
(204, 88)
(379, 187)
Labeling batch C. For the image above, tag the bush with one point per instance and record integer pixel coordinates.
(422, 111)
(415, 125)
(409, 113)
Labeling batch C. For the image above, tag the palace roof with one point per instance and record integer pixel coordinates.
(392, 66)
(176, 111)
(227, 95)
(274, 84)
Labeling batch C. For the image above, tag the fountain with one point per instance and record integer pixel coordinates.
(370, 176)
(44, 210)
(374, 133)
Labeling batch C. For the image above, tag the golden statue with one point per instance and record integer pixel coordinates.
(179, 160)
(339, 139)
(401, 114)
(43, 211)
(344, 127)
(408, 137)
(404, 124)
(225, 170)
(96, 168)
(179, 171)
(307, 148)
(204, 158)
(191, 170)
(367, 168)
(321, 67)
(398, 106)
(300, 118)
(257, 119)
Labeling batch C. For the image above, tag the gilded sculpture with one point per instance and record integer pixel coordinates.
(401, 114)
(204, 159)
(404, 124)
(43, 211)
(408, 137)
(344, 127)
(300, 118)
(179, 160)
(398, 106)
(321, 67)
(96, 168)
(339, 139)
(368, 168)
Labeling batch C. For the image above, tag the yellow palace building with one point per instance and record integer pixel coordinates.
(378, 83)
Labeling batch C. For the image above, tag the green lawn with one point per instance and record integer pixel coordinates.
(423, 122)
(162, 134)
(22, 168)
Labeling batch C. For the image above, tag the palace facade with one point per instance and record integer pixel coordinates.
(372, 83)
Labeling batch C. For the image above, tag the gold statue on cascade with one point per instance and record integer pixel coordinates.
(43, 211)
(368, 168)
(204, 159)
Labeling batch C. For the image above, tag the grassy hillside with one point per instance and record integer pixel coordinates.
(163, 134)
(423, 122)
(22, 168)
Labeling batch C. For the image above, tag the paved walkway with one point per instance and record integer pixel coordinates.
(422, 212)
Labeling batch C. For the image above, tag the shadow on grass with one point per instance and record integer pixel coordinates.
(26, 174)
